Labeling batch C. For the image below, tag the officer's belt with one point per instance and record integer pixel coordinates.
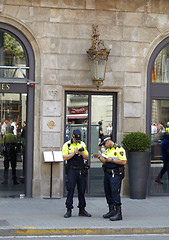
(75, 167)
(111, 170)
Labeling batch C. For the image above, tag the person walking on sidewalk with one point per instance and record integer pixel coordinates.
(74, 152)
(113, 166)
(165, 157)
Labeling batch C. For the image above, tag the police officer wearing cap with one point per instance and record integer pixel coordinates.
(113, 166)
(75, 152)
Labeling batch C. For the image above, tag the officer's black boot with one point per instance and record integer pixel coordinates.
(118, 215)
(111, 211)
(83, 212)
(68, 214)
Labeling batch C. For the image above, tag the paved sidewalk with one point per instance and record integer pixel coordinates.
(45, 216)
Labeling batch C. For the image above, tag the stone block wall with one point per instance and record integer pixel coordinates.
(62, 32)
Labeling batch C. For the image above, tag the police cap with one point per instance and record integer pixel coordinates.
(104, 139)
(77, 135)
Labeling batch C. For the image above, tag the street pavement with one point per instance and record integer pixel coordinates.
(36, 216)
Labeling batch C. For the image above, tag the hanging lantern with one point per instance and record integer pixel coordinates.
(97, 56)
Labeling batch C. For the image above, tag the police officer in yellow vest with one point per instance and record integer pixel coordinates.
(113, 166)
(74, 152)
(10, 144)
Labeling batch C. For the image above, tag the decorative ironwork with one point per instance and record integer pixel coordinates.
(97, 56)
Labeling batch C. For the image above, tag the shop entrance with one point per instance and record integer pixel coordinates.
(94, 115)
(16, 113)
(12, 144)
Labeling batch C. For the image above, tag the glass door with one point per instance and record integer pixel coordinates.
(160, 150)
(77, 109)
(94, 115)
(101, 124)
(12, 144)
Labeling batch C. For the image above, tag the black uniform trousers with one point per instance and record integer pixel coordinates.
(75, 176)
(112, 187)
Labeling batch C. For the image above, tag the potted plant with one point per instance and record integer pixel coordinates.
(137, 145)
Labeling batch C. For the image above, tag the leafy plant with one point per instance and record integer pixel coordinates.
(12, 46)
(136, 142)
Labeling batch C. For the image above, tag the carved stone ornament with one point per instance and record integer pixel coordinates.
(51, 124)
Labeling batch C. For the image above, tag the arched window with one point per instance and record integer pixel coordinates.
(160, 70)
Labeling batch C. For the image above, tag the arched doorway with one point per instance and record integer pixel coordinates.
(16, 112)
(158, 114)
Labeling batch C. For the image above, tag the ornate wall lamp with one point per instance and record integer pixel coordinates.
(97, 56)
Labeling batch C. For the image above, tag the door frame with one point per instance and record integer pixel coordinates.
(114, 121)
(157, 91)
(24, 88)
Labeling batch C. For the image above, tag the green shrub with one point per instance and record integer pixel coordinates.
(136, 142)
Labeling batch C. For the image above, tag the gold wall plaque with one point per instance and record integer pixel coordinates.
(51, 124)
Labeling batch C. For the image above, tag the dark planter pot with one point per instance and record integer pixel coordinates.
(138, 170)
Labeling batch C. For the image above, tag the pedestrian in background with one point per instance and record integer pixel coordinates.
(167, 128)
(10, 144)
(74, 152)
(165, 157)
(113, 166)
(100, 129)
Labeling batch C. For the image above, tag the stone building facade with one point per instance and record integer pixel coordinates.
(59, 32)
